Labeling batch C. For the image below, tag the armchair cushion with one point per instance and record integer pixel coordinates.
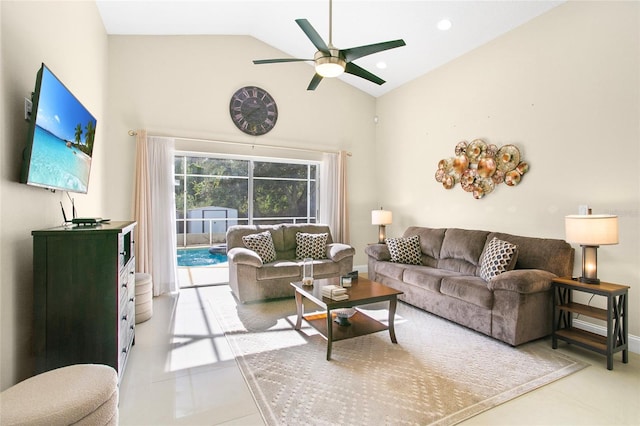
(339, 251)
(261, 243)
(244, 256)
(311, 245)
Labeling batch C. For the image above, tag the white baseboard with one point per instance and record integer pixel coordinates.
(634, 341)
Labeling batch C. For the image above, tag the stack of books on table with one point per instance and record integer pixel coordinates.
(335, 292)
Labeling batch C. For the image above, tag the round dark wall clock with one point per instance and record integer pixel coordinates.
(253, 110)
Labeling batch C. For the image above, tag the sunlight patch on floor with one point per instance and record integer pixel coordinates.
(191, 276)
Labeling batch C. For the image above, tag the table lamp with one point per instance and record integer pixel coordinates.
(591, 231)
(381, 218)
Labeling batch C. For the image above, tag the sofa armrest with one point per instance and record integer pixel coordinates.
(339, 251)
(378, 251)
(244, 256)
(523, 281)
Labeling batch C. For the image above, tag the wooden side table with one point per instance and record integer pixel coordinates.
(615, 316)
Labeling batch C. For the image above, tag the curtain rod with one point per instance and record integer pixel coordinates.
(252, 145)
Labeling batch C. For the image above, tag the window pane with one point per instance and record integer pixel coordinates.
(179, 169)
(218, 193)
(217, 166)
(273, 198)
(179, 191)
(280, 170)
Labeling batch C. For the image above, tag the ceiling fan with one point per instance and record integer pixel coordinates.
(331, 61)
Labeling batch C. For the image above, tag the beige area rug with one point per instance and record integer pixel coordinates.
(439, 373)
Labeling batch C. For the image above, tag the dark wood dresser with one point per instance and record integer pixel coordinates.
(84, 295)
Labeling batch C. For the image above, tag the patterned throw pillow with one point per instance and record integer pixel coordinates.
(499, 256)
(311, 245)
(262, 244)
(405, 250)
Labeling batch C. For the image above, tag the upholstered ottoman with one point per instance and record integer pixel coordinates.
(144, 296)
(83, 394)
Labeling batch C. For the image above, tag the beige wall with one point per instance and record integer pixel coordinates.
(70, 38)
(565, 89)
(181, 86)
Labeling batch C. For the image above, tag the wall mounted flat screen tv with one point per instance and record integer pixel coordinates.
(60, 139)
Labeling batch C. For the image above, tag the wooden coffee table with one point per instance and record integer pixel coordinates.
(361, 292)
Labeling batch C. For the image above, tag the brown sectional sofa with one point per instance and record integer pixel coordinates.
(251, 280)
(514, 307)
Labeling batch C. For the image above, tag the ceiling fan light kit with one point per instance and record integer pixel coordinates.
(329, 66)
(332, 62)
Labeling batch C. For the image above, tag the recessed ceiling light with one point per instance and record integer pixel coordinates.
(381, 65)
(444, 24)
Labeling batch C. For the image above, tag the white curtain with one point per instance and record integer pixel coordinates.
(155, 212)
(333, 195)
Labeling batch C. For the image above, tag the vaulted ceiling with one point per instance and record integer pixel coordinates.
(355, 23)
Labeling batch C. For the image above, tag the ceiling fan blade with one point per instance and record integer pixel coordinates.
(275, 61)
(314, 82)
(358, 52)
(352, 68)
(313, 35)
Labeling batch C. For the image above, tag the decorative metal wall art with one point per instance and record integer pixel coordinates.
(479, 167)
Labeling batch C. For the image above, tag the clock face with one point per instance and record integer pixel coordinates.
(253, 110)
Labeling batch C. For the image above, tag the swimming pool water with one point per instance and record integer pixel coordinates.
(199, 257)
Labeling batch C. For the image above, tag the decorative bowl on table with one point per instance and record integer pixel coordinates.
(343, 315)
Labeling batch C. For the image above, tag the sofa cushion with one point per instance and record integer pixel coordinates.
(261, 243)
(469, 289)
(311, 245)
(499, 256)
(391, 270)
(461, 250)
(549, 254)
(426, 277)
(405, 250)
(430, 242)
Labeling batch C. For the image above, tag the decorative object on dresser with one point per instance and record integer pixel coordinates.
(479, 167)
(591, 231)
(615, 316)
(382, 218)
(84, 295)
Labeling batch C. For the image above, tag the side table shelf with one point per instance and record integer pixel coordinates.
(615, 317)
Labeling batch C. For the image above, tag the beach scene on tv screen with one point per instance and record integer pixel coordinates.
(63, 138)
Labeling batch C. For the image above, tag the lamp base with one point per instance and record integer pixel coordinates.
(381, 234)
(586, 280)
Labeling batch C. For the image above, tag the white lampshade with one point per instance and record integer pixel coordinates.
(381, 217)
(592, 229)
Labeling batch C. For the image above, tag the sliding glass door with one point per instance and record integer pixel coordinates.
(213, 193)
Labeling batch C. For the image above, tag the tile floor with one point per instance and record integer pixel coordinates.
(181, 372)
